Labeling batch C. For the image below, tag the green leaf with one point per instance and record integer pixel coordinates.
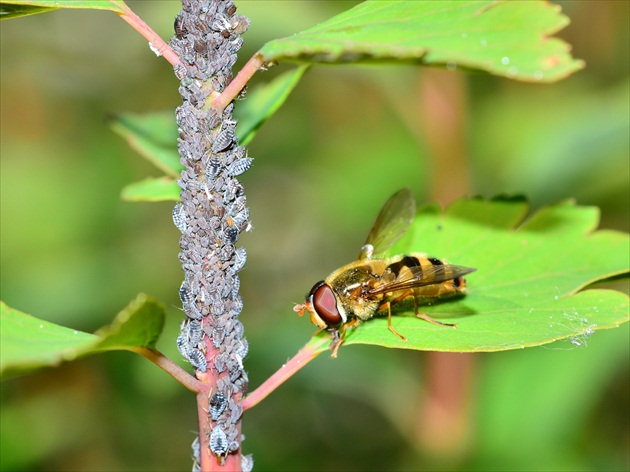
(29, 343)
(526, 291)
(154, 136)
(16, 8)
(263, 102)
(151, 190)
(139, 324)
(510, 39)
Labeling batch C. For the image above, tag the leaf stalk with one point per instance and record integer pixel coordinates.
(157, 43)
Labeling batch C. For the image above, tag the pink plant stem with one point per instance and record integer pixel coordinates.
(153, 38)
(238, 83)
(172, 369)
(208, 461)
(303, 357)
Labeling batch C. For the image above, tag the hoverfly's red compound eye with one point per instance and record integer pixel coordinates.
(324, 303)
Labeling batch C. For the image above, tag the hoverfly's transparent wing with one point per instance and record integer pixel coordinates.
(418, 277)
(391, 223)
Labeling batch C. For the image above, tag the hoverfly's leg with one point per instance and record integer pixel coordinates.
(428, 318)
(389, 316)
(335, 344)
(337, 339)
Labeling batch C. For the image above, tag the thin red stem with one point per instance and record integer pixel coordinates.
(145, 30)
(238, 83)
(303, 357)
(175, 371)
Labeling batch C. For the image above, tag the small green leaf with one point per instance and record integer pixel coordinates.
(16, 8)
(263, 102)
(152, 190)
(526, 291)
(29, 343)
(9, 11)
(154, 136)
(139, 324)
(510, 39)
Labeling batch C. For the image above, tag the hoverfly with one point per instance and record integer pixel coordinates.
(371, 285)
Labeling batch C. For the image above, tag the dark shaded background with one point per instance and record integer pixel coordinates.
(74, 254)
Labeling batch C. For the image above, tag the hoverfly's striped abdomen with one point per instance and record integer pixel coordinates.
(434, 277)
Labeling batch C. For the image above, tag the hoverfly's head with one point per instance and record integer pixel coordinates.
(322, 304)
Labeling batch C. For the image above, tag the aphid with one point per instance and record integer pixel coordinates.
(236, 45)
(234, 370)
(196, 447)
(198, 360)
(183, 345)
(188, 53)
(215, 222)
(220, 24)
(247, 463)
(237, 305)
(218, 336)
(233, 189)
(178, 26)
(225, 139)
(218, 307)
(218, 442)
(241, 384)
(239, 24)
(218, 402)
(236, 413)
(223, 384)
(219, 363)
(242, 347)
(239, 259)
(179, 217)
(180, 72)
(239, 329)
(232, 432)
(369, 286)
(218, 83)
(194, 331)
(202, 24)
(185, 294)
(231, 234)
(236, 284)
(191, 311)
(240, 220)
(226, 252)
(239, 166)
(200, 46)
(237, 206)
(213, 168)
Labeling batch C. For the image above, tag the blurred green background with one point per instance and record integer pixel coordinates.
(74, 254)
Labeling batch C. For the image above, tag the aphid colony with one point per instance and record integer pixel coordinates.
(212, 213)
